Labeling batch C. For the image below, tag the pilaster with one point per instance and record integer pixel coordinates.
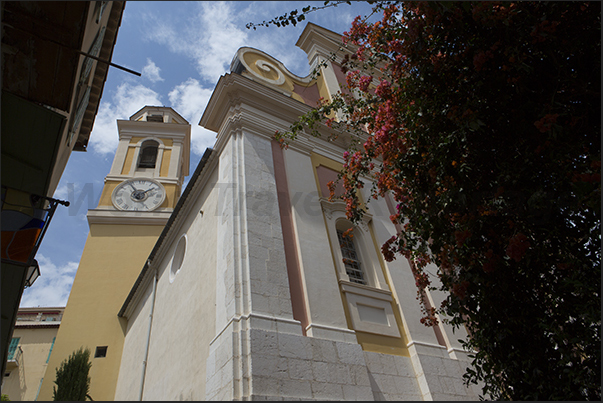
(252, 289)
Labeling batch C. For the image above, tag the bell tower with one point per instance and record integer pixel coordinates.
(153, 157)
(138, 197)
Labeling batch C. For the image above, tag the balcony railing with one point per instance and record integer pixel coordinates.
(14, 358)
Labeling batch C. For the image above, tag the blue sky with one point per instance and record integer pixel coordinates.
(181, 49)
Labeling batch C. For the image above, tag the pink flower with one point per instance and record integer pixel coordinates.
(364, 82)
(382, 89)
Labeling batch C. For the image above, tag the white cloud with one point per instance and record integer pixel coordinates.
(190, 99)
(61, 192)
(222, 42)
(52, 287)
(151, 71)
(127, 100)
(210, 38)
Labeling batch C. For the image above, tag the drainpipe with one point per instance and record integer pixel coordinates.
(146, 354)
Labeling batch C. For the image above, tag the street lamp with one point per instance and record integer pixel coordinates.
(33, 272)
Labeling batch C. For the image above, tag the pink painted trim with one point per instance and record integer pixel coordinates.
(294, 274)
(310, 95)
(325, 175)
(341, 77)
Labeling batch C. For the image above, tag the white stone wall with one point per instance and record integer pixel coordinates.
(293, 367)
(259, 352)
(133, 354)
(185, 309)
(439, 376)
(184, 314)
(284, 366)
(252, 284)
(392, 377)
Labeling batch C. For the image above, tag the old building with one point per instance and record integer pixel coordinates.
(55, 58)
(29, 351)
(138, 196)
(253, 293)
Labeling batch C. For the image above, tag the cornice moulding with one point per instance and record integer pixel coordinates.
(99, 216)
(136, 127)
(162, 180)
(233, 89)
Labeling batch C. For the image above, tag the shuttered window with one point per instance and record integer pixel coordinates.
(14, 343)
(148, 154)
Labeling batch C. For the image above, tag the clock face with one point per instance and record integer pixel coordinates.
(138, 195)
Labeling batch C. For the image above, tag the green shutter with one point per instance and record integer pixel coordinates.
(51, 346)
(13, 347)
(39, 387)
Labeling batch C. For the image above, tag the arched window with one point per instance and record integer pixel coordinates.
(148, 154)
(351, 259)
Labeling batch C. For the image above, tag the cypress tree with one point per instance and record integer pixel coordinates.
(72, 380)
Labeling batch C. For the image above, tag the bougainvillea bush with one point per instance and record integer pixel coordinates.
(482, 120)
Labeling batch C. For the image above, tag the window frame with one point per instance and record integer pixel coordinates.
(147, 145)
(336, 219)
(12, 348)
(101, 351)
(351, 259)
(363, 300)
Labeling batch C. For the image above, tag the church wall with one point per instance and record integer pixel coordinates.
(413, 367)
(252, 283)
(133, 356)
(224, 325)
(324, 303)
(184, 309)
(438, 368)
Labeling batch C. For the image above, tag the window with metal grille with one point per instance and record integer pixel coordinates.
(148, 154)
(350, 258)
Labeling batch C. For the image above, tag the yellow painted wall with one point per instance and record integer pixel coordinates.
(165, 163)
(125, 170)
(251, 59)
(323, 90)
(112, 260)
(23, 382)
(172, 194)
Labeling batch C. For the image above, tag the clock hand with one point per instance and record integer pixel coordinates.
(133, 186)
(148, 190)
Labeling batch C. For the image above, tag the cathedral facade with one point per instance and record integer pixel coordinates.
(253, 293)
(245, 287)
